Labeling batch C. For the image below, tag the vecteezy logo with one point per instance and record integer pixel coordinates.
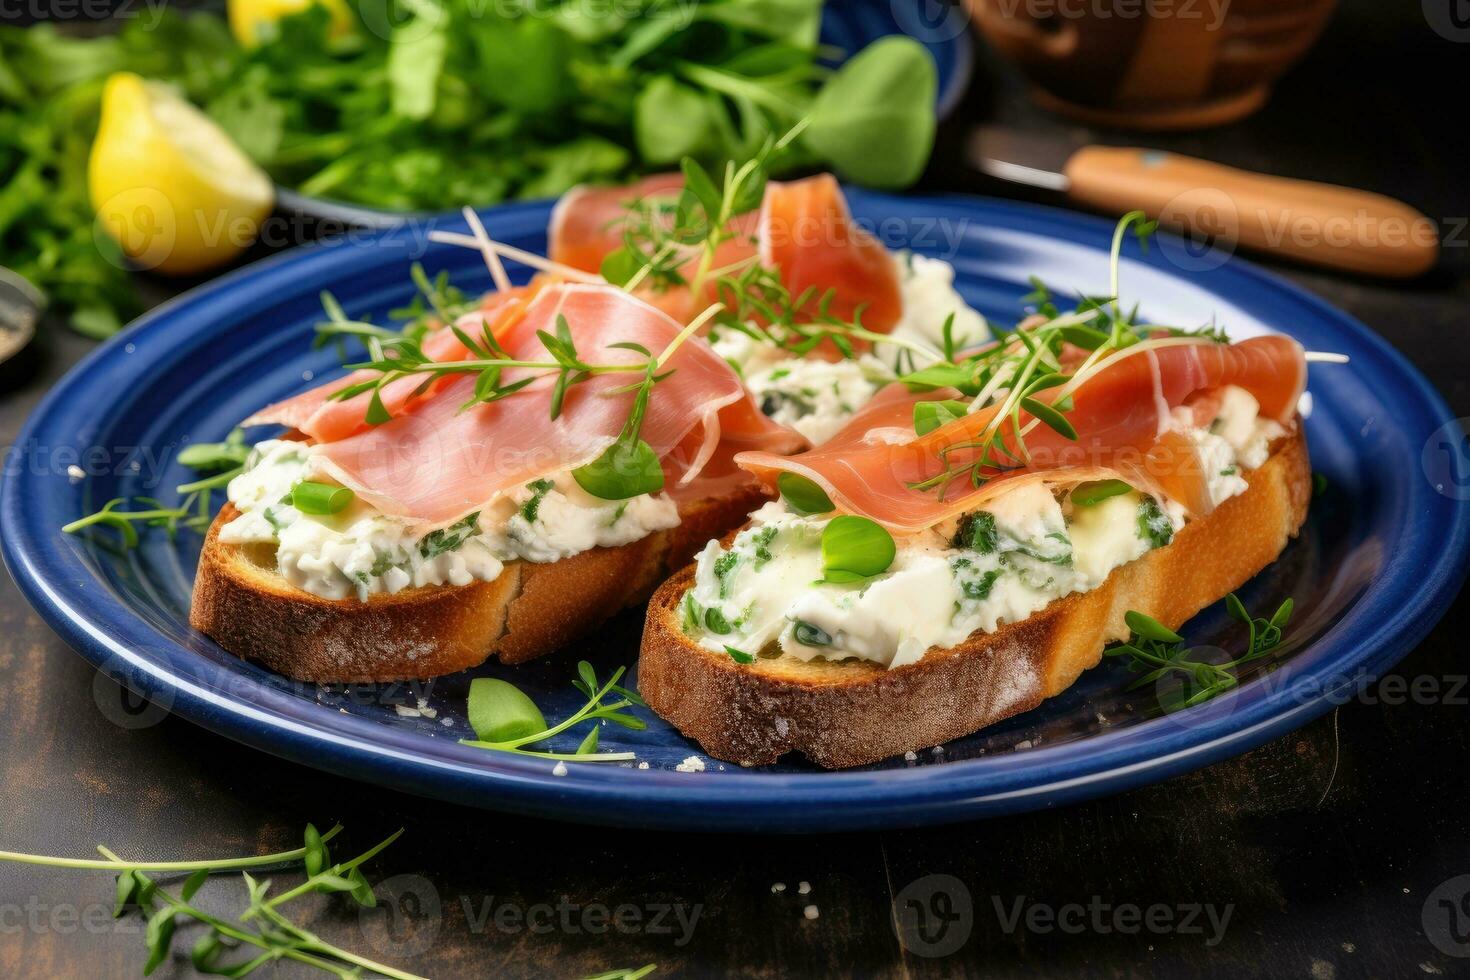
(1207, 221)
(933, 916)
(1446, 917)
(1450, 19)
(1446, 459)
(113, 691)
(414, 915)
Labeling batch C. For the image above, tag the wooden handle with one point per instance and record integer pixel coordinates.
(1321, 224)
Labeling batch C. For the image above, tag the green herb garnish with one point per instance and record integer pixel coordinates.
(761, 541)
(809, 635)
(724, 568)
(320, 499)
(499, 711)
(802, 495)
(493, 710)
(629, 974)
(1154, 526)
(1090, 494)
(1016, 376)
(532, 507)
(977, 532)
(855, 548)
(970, 586)
(194, 511)
(715, 621)
(929, 416)
(1156, 651)
(739, 656)
(264, 928)
(450, 538)
(691, 618)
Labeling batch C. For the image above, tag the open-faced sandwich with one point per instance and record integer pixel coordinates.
(495, 488)
(971, 541)
(503, 475)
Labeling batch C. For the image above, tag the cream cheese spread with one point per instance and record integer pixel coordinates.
(764, 595)
(361, 551)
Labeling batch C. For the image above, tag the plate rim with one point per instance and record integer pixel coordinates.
(735, 799)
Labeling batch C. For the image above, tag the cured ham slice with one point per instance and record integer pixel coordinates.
(587, 222)
(803, 228)
(807, 231)
(438, 461)
(1121, 414)
(315, 413)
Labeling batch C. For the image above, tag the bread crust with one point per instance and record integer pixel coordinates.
(850, 713)
(529, 611)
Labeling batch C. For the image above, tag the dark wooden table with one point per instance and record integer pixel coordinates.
(1325, 848)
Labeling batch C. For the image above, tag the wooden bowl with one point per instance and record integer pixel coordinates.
(1152, 64)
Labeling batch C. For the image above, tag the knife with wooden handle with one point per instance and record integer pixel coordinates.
(1320, 224)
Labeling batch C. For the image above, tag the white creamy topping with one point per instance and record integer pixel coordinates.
(817, 397)
(765, 594)
(361, 551)
(929, 297)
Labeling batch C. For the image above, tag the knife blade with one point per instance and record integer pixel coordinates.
(1307, 221)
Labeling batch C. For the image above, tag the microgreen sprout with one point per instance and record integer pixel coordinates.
(193, 511)
(1154, 651)
(494, 712)
(1027, 377)
(263, 928)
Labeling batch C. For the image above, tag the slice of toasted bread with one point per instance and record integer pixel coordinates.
(529, 611)
(853, 712)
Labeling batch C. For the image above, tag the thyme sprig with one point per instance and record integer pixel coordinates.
(661, 236)
(262, 927)
(629, 467)
(756, 303)
(1155, 651)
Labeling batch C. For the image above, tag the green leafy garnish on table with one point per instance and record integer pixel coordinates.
(262, 935)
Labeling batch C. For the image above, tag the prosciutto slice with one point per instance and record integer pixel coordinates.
(323, 418)
(437, 461)
(803, 228)
(1121, 414)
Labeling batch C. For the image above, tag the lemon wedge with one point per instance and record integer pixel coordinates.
(168, 184)
(247, 17)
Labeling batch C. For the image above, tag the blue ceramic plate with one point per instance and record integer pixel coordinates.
(1380, 558)
(848, 26)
